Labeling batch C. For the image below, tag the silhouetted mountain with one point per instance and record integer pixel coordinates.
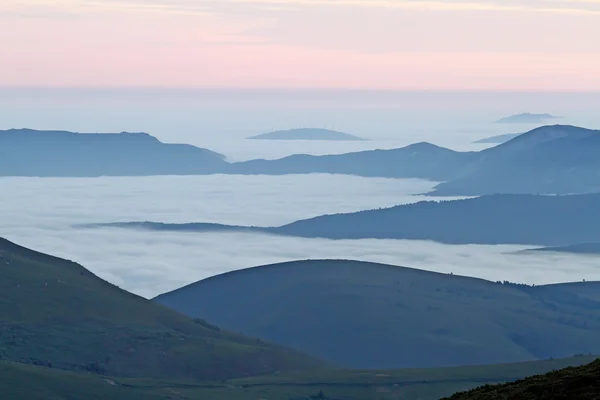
(55, 313)
(527, 118)
(574, 383)
(495, 219)
(26, 152)
(420, 160)
(551, 159)
(308, 134)
(584, 248)
(366, 315)
(556, 159)
(499, 139)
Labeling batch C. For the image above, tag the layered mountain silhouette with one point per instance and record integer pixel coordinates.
(307, 134)
(366, 315)
(557, 159)
(493, 219)
(420, 160)
(27, 152)
(55, 313)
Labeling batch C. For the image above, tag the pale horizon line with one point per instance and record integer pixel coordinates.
(293, 89)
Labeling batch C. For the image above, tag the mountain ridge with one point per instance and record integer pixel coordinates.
(28, 152)
(517, 219)
(553, 159)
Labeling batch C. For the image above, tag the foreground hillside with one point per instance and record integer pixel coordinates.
(365, 315)
(575, 383)
(429, 384)
(496, 219)
(55, 313)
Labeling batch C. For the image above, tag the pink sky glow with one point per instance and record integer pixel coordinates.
(548, 45)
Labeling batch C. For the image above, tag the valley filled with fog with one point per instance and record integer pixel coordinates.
(40, 213)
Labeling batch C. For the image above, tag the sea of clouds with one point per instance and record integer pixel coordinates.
(40, 213)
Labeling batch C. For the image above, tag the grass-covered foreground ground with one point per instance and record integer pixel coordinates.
(27, 382)
(575, 383)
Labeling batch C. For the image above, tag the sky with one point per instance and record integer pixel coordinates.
(496, 45)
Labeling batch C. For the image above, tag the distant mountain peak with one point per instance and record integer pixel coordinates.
(423, 146)
(549, 133)
(307, 134)
(527, 118)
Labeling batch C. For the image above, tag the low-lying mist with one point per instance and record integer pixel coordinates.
(39, 213)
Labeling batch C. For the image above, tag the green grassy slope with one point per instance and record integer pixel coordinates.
(55, 313)
(26, 382)
(51, 384)
(575, 383)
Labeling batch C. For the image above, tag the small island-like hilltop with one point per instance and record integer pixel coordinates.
(527, 118)
(307, 134)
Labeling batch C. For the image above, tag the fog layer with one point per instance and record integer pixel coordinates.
(39, 213)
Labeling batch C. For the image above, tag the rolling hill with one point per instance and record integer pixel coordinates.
(495, 219)
(27, 152)
(365, 315)
(55, 313)
(308, 134)
(574, 383)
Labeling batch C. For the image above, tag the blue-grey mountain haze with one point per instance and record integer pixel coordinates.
(39, 213)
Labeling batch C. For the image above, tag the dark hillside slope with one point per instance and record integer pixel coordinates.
(366, 315)
(557, 159)
(575, 383)
(26, 152)
(55, 312)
